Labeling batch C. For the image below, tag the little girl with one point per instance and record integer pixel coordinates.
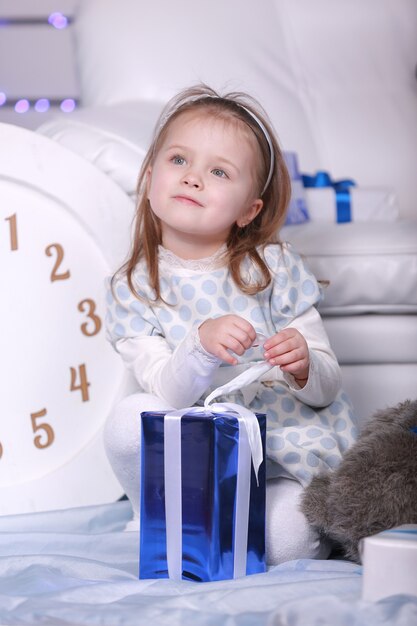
(208, 290)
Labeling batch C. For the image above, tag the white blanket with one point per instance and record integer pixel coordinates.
(77, 567)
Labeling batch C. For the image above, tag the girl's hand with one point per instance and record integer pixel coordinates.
(228, 332)
(288, 349)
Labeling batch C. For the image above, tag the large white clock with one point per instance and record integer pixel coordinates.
(64, 226)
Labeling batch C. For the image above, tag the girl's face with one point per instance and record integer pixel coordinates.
(202, 182)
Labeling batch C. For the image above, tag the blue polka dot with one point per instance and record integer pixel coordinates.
(303, 475)
(328, 443)
(292, 457)
(275, 442)
(343, 443)
(227, 289)
(141, 280)
(290, 421)
(119, 330)
(312, 460)
(223, 304)
(137, 307)
(170, 298)
(109, 297)
(209, 287)
(281, 280)
(121, 312)
(185, 313)
(354, 431)
(177, 332)
(109, 318)
(268, 397)
(203, 306)
(272, 415)
(288, 405)
(307, 412)
(332, 461)
(257, 315)
(165, 315)
(295, 273)
(324, 419)
(187, 292)
(314, 432)
(336, 407)
(340, 425)
(276, 303)
(308, 287)
(302, 307)
(240, 303)
(123, 292)
(293, 437)
(293, 295)
(137, 323)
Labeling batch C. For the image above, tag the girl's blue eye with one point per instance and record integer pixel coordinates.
(220, 173)
(178, 160)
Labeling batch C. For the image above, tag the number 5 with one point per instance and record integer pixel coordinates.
(46, 428)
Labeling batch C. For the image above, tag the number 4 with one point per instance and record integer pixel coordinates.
(83, 385)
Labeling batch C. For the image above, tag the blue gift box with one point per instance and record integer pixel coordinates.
(209, 475)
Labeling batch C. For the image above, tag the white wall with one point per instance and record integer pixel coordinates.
(36, 59)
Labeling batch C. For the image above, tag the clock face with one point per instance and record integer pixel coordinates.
(63, 229)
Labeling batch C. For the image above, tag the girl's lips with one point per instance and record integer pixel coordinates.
(187, 200)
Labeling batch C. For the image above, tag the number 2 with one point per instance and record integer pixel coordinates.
(59, 251)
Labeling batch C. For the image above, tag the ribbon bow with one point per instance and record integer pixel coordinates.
(342, 190)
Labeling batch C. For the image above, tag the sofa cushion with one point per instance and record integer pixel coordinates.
(113, 138)
(371, 266)
(136, 52)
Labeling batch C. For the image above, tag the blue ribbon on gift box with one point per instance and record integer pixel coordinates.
(341, 188)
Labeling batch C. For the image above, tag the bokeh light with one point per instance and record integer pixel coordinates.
(58, 20)
(42, 105)
(67, 105)
(22, 106)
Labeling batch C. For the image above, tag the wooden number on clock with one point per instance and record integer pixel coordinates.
(88, 306)
(13, 231)
(58, 250)
(83, 384)
(1, 450)
(47, 430)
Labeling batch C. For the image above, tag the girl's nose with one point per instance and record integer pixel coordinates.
(192, 179)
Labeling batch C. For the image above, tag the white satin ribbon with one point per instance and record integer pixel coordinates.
(249, 448)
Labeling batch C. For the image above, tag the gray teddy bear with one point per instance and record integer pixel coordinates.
(375, 486)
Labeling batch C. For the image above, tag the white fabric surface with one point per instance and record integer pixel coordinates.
(77, 567)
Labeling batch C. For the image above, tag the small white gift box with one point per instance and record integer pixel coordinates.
(390, 563)
(366, 204)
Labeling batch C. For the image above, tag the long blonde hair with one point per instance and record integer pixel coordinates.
(242, 241)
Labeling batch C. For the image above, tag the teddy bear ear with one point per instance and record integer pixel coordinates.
(314, 502)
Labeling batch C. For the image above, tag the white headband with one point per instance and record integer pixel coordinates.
(271, 148)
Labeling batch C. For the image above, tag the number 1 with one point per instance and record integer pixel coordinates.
(13, 231)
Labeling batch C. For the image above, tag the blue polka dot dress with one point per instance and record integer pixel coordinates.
(308, 429)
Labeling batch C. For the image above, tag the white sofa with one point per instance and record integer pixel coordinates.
(337, 79)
